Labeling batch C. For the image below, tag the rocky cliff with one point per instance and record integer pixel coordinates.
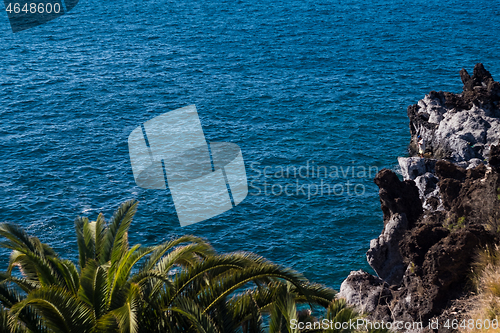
(459, 127)
(446, 207)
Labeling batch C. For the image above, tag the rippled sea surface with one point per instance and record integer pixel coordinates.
(296, 82)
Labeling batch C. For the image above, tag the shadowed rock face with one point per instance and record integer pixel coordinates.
(439, 264)
(441, 214)
(398, 196)
(401, 205)
(495, 158)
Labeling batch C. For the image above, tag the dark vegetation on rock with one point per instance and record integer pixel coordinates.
(446, 208)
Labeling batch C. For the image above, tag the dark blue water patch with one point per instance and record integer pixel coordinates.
(289, 82)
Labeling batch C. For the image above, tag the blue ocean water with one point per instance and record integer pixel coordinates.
(291, 82)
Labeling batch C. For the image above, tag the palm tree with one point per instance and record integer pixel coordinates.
(182, 285)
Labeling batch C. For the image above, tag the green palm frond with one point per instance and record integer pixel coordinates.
(199, 320)
(39, 267)
(162, 249)
(151, 280)
(186, 256)
(28, 320)
(182, 285)
(283, 311)
(100, 230)
(24, 264)
(85, 241)
(265, 298)
(6, 327)
(24, 284)
(119, 273)
(339, 312)
(9, 295)
(124, 318)
(249, 315)
(29, 255)
(18, 239)
(115, 242)
(315, 293)
(213, 265)
(61, 311)
(239, 278)
(69, 273)
(94, 288)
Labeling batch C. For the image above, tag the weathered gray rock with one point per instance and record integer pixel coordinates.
(384, 256)
(466, 135)
(474, 163)
(428, 190)
(412, 167)
(459, 127)
(426, 184)
(366, 292)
